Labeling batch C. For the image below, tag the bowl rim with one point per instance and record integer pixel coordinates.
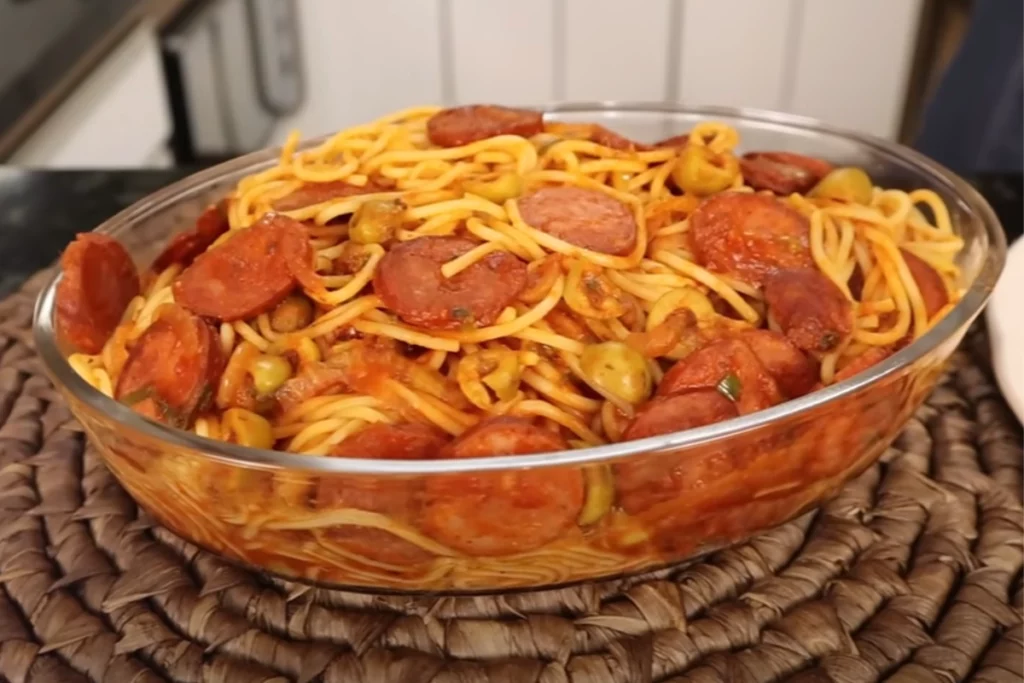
(968, 308)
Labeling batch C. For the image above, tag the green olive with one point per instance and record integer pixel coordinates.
(702, 172)
(292, 314)
(497, 188)
(848, 184)
(617, 369)
(269, 373)
(375, 221)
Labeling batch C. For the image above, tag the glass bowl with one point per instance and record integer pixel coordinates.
(793, 456)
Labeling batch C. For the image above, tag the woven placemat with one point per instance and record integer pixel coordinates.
(912, 574)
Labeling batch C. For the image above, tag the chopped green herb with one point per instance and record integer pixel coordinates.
(460, 313)
(828, 341)
(730, 387)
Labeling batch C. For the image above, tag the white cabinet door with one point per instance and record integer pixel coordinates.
(117, 118)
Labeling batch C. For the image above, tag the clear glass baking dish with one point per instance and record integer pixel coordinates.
(799, 452)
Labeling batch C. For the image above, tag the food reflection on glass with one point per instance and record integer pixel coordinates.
(476, 281)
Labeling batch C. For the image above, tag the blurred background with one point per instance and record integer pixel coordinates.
(157, 83)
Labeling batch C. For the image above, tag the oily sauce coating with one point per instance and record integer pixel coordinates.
(812, 311)
(98, 283)
(929, 282)
(503, 512)
(730, 367)
(782, 172)
(463, 125)
(396, 497)
(793, 371)
(749, 236)
(249, 274)
(172, 369)
(409, 282)
(185, 247)
(650, 479)
(587, 218)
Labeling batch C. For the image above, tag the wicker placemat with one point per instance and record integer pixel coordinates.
(912, 574)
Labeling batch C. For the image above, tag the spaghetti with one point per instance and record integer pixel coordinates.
(476, 281)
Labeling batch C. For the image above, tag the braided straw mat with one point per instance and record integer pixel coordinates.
(912, 574)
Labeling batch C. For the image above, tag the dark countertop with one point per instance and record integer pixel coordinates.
(41, 211)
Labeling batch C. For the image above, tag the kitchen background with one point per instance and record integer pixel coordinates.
(153, 83)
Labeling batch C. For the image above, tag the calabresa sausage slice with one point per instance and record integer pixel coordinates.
(795, 373)
(653, 478)
(249, 274)
(749, 236)
(172, 369)
(502, 512)
(409, 282)
(730, 367)
(586, 218)
(811, 310)
(98, 282)
(463, 125)
(185, 247)
(782, 172)
(859, 364)
(929, 283)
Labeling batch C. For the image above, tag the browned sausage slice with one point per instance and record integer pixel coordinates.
(728, 366)
(247, 275)
(99, 280)
(185, 247)
(794, 372)
(396, 497)
(409, 282)
(811, 310)
(929, 282)
(463, 125)
(609, 138)
(586, 218)
(172, 369)
(315, 193)
(675, 141)
(503, 512)
(748, 236)
(860, 363)
(653, 478)
(782, 172)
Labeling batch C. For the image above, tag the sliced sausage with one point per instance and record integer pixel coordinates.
(782, 172)
(675, 141)
(396, 497)
(99, 280)
(795, 373)
(653, 478)
(316, 193)
(463, 125)
(503, 512)
(812, 311)
(586, 218)
(728, 366)
(409, 282)
(929, 282)
(185, 247)
(172, 369)
(609, 138)
(860, 363)
(249, 274)
(748, 236)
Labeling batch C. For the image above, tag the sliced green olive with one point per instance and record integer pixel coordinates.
(847, 184)
(269, 373)
(701, 172)
(498, 188)
(375, 221)
(600, 494)
(247, 428)
(617, 369)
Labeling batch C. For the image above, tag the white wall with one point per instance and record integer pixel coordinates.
(846, 61)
